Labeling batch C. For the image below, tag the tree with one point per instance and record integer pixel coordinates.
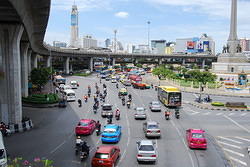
(40, 76)
(202, 77)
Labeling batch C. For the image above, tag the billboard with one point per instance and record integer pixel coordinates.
(206, 45)
(200, 46)
(190, 45)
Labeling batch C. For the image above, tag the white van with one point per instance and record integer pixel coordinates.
(70, 94)
(3, 155)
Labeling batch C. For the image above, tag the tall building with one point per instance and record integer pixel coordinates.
(130, 48)
(170, 48)
(89, 42)
(245, 44)
(107, 43)
(158, 46)
(59, 44)
(74, 36)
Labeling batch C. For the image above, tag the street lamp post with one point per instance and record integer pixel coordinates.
(115, 47)
(148, 36)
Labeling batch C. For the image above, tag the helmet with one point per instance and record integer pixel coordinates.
(78, 137)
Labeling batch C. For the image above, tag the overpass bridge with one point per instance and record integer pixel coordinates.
(23, 25)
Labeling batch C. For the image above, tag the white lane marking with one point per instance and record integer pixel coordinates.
(60, 145)
(241, 138)
(230, 145)
(219, 113)
(207, 113)
(233, 152)
(231, 114)
(239, 161)
(179, 133)
(240, 126)
(196, 95)
(238, 142)
(194, 113)
(243, 114)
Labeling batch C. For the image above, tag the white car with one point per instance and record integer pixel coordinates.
(146, 151)
(113, 81)
(74, 84)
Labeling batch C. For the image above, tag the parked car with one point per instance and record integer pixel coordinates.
(111, 134)
(155, 106)
(85, 127)
(106, 110)
(196, 138)
(140, 113)
(106, 156)
(146, 151)
(151, 129)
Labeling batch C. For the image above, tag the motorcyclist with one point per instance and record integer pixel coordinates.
(117, 112)
(109, 117)
(86, 98)
(78, 141)
(167, 114)
(128, 103)
(104, 85)
(85, 147)
(177, 113)
(130, 97)
(98, 126)
(123, 100)
(79, 102)
(117, 85)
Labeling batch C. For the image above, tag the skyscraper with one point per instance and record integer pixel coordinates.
(74, 37)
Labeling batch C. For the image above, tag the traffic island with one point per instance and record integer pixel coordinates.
(41, 100)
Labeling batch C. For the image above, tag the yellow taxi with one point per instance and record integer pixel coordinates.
(123, 91)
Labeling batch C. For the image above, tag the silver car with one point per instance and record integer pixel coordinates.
(152, 129)
(140, 113)
(155, 106)
(146, 151)
(106, 110)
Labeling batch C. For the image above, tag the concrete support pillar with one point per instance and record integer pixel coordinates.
(136, 61)
(183, 61)
(10, 65)
(203, 64)
(113, 62)
(91, 64)
(48, 61)
(66, 65)
(71, 67)
(34, 59)
(29, 61)
(160, 61)
(24, 68)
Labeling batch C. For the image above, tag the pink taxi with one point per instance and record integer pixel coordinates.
(85, 127)
(196, 138)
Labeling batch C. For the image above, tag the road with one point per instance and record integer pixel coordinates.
(53, 136)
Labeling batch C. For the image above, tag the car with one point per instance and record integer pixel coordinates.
(106, 110)
(126, 83)
(140, 113)
(196, 138)
(152, 129)
(138, 85)
(113, 81)
(111, 133)
(123, 91)
(155, 106)
(147, 86)
(146, 151)
(103, 76)
(65, 87)
(85, 127)
(106, 156)
(107, 78)
(74, 84)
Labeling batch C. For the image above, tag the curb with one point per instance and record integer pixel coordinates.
(39, 105)
(218, 109)
(22, 127)
(218, 94)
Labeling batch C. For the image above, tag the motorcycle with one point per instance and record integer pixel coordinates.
(79, 103)
(167, 115)
(98, 132)
(177, 115)
(83, 155)
(128, 105)
(117, 117)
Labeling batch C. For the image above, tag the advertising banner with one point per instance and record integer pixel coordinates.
(73, 20)
(200, 46)
(190, 45)
(206, 45)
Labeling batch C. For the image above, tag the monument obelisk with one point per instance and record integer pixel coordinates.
(231, 62)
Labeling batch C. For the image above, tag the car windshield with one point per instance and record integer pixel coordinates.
(146, 148)
(101, 156)
(140, 109)
(197, 135)
(153, 127)
(83, 124)
(109, 130)
(155, 103)
(2, 154)
(70, 94)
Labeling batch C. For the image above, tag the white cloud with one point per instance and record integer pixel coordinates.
(122, 14)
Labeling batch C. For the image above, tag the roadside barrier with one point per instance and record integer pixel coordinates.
(22, 127)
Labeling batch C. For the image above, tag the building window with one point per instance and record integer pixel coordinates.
(232, 69)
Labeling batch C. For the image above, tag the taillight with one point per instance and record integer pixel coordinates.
(158, 131)
(139, 155)
(148, 131)
(153, 155)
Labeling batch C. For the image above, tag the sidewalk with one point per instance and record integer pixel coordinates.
(155, 80)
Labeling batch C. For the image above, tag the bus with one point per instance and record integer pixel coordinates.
(58, 80)
(169, 96)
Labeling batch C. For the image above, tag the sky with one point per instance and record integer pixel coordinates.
(169, 19)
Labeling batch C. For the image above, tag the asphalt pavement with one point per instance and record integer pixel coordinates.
(53, 136)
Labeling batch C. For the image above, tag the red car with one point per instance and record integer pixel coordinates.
(85, 127)
(106, 156)
(196, 138)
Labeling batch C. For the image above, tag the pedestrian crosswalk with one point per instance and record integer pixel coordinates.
(234, 148)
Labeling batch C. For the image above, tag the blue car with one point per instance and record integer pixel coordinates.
(111, 134)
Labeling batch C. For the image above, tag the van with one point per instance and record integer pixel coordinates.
(3, 155)
(70, 94)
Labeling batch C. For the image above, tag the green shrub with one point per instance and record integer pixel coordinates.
(41, 99)
(218, 104)
(82, 74)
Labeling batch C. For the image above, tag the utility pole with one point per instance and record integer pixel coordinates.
(148, 36)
